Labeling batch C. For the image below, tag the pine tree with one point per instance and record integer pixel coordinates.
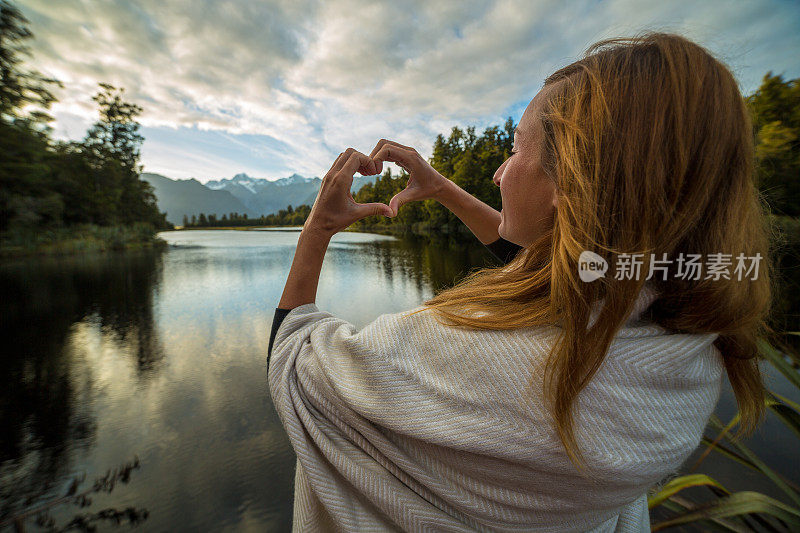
(775, 108)
(116, 134)
(112, 146)
(20, 87)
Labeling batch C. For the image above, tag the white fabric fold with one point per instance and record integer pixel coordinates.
(410, 425)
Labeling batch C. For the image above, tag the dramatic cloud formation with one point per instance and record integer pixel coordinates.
(282, 86)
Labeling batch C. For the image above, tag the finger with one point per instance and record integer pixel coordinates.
(382, 142)
(378, 146)
(336, 165)
(406, 159)
(400, 199)
(378, 163)
(339, 163)
(370, 169)
(356, 161)
(367, 168)
(403, 146)
(366, 210)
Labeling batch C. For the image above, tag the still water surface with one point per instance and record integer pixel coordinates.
(162, 356)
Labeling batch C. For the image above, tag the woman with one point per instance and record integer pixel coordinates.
(551, 393)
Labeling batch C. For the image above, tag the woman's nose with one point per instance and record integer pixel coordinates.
(497, 174)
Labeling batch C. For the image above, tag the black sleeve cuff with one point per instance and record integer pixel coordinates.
(504, 250)
(280, 314)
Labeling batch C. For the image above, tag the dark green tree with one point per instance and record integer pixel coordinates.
(20, 87)
(113, 145)
(775, 108)
(116, 135)
(26, 195)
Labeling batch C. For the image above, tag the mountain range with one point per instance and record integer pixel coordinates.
(240, 194)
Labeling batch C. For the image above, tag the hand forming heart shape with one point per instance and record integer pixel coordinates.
(335, 209)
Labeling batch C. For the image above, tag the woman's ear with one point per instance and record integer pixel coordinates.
(555, 199)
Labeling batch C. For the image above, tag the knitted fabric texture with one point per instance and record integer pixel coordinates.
(407, 424)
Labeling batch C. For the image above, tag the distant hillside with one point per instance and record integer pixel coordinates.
(264, 196)
(240, 194)
(190, 197)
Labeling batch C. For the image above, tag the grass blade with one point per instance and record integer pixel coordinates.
(794, 405)
(714, 444)
(752, 458)
(786, 414)
(741, 503)
(779, 362)
(678, 484)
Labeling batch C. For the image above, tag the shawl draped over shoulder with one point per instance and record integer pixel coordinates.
(410, 425)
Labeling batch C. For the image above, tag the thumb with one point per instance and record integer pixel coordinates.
(377, 165)
(376, 208)
(400, 199)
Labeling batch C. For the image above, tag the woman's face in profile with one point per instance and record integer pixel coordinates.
(528, 194)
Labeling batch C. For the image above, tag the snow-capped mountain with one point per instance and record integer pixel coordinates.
(189, 197)
(254, 185)
(239, 180)
(264, 196)
(291, 180)
(240, 194)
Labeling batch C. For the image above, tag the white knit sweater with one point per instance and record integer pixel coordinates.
(411, 425)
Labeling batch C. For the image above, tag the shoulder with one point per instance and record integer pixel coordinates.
(402, 326)
(304, 320)
(319, 342)
(416, 345)
(655, 351)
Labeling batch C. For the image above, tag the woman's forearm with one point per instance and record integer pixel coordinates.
(479, 217)
(301, 285)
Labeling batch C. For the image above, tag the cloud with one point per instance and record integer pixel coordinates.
(299, 81)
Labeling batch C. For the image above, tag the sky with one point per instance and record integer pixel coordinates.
(276, 87)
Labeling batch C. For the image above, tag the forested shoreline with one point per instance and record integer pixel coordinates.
(470, 160)
(66, 196)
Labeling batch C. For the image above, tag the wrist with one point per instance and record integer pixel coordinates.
(443, 191)
(316, 234)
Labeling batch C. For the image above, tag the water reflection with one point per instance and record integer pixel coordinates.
(49, 308)
(163, 355)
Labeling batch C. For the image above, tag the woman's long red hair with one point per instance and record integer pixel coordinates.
(651, 148)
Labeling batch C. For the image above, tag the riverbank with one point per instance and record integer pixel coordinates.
(785, 230)
(460, 233)
(85, 238)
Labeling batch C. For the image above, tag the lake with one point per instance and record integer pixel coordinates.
(161, 356)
